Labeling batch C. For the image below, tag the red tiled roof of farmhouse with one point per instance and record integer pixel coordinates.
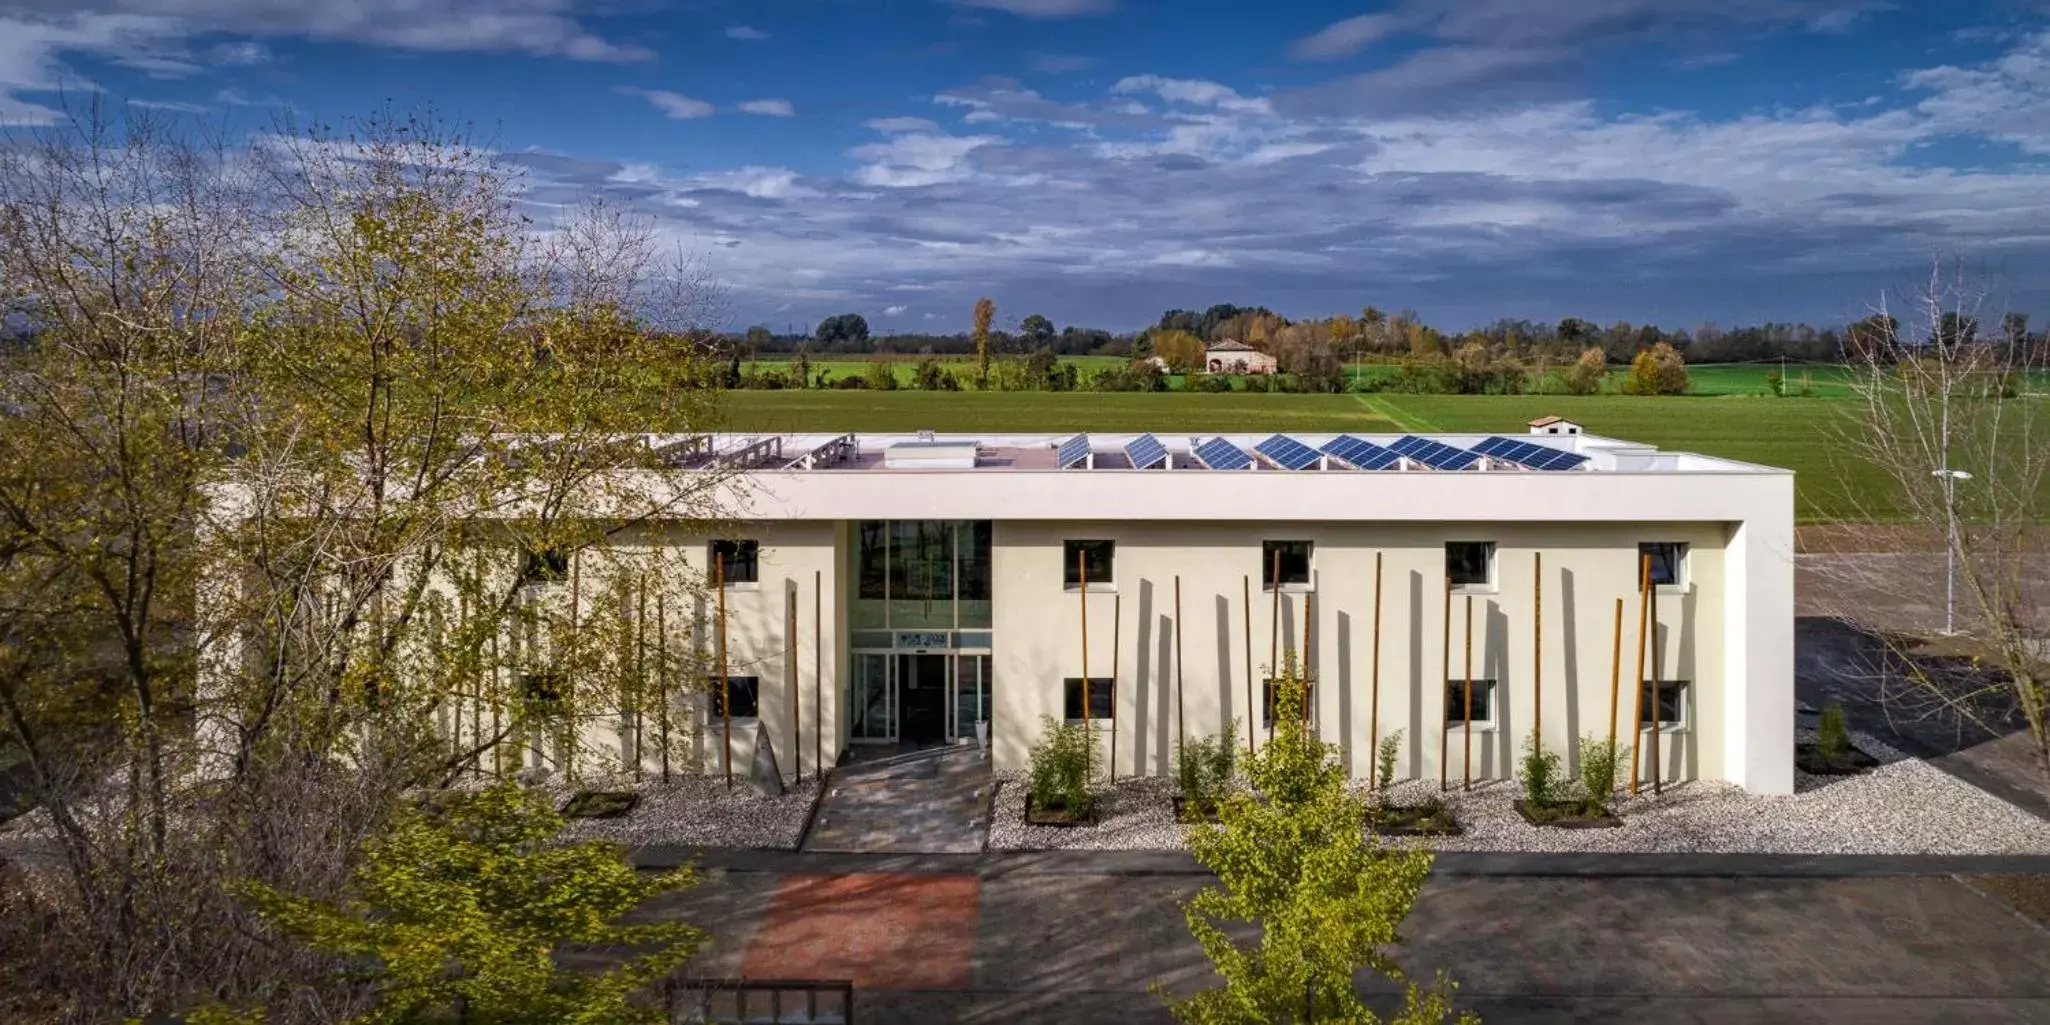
(1231, 346)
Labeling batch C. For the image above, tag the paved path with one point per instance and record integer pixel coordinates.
(931, 802)
(1043, 938)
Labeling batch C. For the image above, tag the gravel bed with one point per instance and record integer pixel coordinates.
(1137, 815)
(1904, 806)
(699, 811)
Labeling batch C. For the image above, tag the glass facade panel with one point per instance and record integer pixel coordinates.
(971, 693)
(922, 575)
(973, 538)
(874, 715)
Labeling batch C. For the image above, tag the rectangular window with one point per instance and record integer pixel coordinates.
(544, 567)
(739, 560)
(872, 565)
(1267, 702)
(1483, 711)
(1100, 704)
(1668, 562)
(743, 697)
(922, 561)
(541, 691)
(1672, 705)
(1093, 556)
(1470, 563)
(1290, 558)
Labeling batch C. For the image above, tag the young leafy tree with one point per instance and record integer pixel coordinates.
(1293, 858)
(985, 312)
(464, 915)
(1180, 350)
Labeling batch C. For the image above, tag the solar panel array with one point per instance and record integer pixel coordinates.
(1281, 451)
(1523, 453)
(1074, 452)
(1146, 452)
(1288, 453)
(1219, 454)
(1360, 453)
(1435, 454)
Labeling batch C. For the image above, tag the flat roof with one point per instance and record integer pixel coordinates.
(1178, 452)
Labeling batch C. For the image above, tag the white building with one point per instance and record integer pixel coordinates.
(909, 587)
(1229, 357)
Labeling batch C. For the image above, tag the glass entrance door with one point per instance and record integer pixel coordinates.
(971, 696)
(922, 689)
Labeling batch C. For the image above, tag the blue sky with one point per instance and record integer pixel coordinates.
(1098, 161)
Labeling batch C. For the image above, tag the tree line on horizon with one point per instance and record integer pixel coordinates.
(1374, 334)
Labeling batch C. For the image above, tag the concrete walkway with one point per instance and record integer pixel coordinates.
(928, 802)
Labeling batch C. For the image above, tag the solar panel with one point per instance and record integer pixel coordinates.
(1288, 453)
(1523, 453)
(1074, 452)
(1360, 453)
(1219, 454)
(1435, 454)
(1146, 452)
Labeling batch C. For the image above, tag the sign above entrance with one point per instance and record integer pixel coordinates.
(922, 640)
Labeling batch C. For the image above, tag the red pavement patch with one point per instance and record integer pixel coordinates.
(882, 930)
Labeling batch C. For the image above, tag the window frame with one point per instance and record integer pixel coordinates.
(716, 713)
(1486, 586)
(1267, 549)
(1267, 702)
(747, 552)
(1679, 692)
(1069, 581)
(1679, 563)
(1457, 686)
(544, 567)
(1071, 687)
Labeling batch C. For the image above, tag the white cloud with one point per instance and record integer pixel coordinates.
(675, 106)
(1192, 91)
(744, 32)
(894, 311)
(1344, 38)
(1043, 8)
(758, 182)
(768, 108)
(245, 52)
(912, 160)
(2008, 99)
(901, 124)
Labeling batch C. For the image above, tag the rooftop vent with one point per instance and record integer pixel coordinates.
(927, 454)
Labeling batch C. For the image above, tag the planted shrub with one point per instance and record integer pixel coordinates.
(1832, 734)
(1599, 760)
(1391, 745)
(1061, 768)
(1540, 775)
(1204, 769)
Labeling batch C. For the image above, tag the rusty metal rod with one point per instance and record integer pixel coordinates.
(1466, 781)
(1637, 681)
(1374, 703)
(1117, 633)
(1445, 663)
(1615, 677)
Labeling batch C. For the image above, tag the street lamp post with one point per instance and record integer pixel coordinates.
(1950, 478)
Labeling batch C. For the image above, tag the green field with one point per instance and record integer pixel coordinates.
(1791, 433)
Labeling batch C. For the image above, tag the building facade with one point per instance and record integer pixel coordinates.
(920, 589)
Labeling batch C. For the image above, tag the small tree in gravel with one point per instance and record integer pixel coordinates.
(1061, 767)
(1391, 746)
(1204, 768)
(1540, 774)
(1291, 858)
(1599, 759)
(1832, 734)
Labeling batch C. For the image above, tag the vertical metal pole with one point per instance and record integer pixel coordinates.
(1658, 773)
(1466, 781)
(1615, 677)
(1537, 668)
(1637, 683)
(662, 674)
(1273, 642)
(1308, 688)
(1445, 664)
(1246, 585)
(790, 673)
(1181, 725)
(1117, 632)
(818, 676)
(1374, 704)
(1082, 590)
(725, 681)
(640, 674)
(568, 751)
